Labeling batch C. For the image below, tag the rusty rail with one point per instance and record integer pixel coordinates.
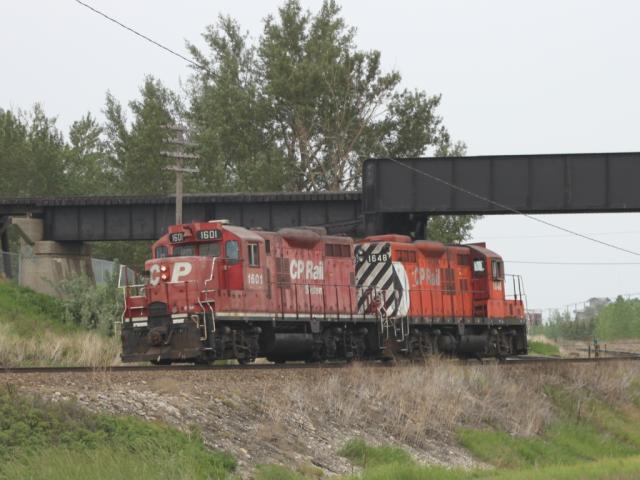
(517, 360)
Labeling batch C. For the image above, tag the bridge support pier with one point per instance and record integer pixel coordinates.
(44, 263)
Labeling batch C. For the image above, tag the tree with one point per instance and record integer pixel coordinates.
(306, 97)
(85, 163)
(229, 114)
(13, 154)
(303, 106)
(136, 162)
(31, 154)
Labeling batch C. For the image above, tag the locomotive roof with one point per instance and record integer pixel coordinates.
(481, 248)
(243, 233)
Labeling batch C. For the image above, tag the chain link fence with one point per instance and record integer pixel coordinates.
(104, 271)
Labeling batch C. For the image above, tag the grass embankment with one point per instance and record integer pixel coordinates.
(33, 332)
(554, 422)
(47, 440)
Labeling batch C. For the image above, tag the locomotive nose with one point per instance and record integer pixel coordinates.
(157, 336)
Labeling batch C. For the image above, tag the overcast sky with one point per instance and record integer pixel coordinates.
(516, 78)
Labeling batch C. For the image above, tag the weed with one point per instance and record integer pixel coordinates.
(541, 348)
(364, 455)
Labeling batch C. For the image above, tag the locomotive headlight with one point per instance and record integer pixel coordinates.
(163, 276)
(163, 268)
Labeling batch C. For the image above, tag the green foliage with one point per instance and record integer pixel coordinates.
(450, 228)
(132, 254)
(85, 306)
(364, 455)
(29, 312)
(60, 440)
(620, 319)
(86, 159)
(95, 307)
(297, 109)
(136, 161)
(617, 320)
(32, 153)
(300, 108)
(589, 439)
(541, 348)
(561, 325)
(587, 429)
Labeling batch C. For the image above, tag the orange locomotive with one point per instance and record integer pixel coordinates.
(216, 291)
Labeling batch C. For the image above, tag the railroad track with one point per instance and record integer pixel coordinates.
(539, 360)
(175, 368)
(519, 360)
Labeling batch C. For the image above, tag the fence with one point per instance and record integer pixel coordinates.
(103, 270)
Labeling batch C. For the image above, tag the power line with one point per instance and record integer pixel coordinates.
(532, 262)
(511, 209)
(143, 36)
(496, 237)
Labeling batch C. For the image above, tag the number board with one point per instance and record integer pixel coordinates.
(176, 237)
(208, 234)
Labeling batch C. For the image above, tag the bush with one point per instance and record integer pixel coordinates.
(620, 319)
(95, 307)
(561, 325)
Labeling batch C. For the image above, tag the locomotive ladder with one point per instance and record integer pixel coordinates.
(210, 303)
(204, 305)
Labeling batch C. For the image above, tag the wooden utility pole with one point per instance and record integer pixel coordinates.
(179, 142)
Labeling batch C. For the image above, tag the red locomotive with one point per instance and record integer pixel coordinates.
(217, 291)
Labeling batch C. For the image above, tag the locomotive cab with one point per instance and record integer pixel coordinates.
(489, 282)
(189, 265)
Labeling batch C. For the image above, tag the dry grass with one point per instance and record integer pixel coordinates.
(81, 348)
(414, 404)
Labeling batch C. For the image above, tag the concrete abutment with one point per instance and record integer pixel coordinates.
(45, 263)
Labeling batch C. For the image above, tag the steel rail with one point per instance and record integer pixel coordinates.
(177, 368)
(521, 360)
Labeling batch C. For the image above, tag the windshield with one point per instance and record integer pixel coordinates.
(184, 251)
(210, 249)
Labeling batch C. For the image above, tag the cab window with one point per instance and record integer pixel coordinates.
(162, 252)
(184, 251)
(231, 251)
(496, 269)
(478, 266)
(253, 253)
(209, 249)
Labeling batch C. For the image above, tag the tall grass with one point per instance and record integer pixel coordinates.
(511, 417)
(33, 331)
(47, 348)
(415, 403)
